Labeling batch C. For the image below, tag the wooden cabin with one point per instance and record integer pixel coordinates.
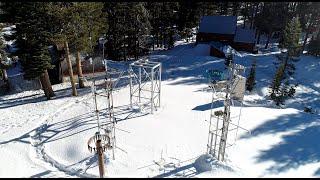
(217, 28)
(244, 40)
(224, 29)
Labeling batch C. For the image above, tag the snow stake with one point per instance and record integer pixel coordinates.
(99, 144)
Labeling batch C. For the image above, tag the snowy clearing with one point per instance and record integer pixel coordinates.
(42, 138)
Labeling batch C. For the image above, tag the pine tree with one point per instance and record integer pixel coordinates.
(171, 40)
(129, 28)
(281, 88)
(80, 21)
(154, 9)
(309, 18)
(3, 64)
(277, 91)
(272, 17)
(245, 11)
(32, 34)
(291, 37)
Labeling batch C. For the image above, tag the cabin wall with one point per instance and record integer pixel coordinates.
(207, 37)
(240, 46)
(215, 52)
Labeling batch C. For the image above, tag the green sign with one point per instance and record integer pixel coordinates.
(215, 75)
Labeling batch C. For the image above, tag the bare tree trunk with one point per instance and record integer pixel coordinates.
(254, 8)
(251, 23)
(268, 40)
(74, 90)
(235, 8)
(158, 43)
(79, 68)
(255, 13)
(245, 16)
(153, 43)
(4, 75)
(46, 85)
(5, 79)
(259, 34)
(137, 51)
(226, 7)
(305, 41)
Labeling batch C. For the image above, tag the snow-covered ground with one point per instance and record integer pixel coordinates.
(42, 138)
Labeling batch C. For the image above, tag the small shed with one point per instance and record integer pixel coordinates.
(224, 29)
(244, 40)
(217, 28)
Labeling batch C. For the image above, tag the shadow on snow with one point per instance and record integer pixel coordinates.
(298, 148)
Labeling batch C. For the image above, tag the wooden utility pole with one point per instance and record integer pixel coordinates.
(100, 158)
(79, 68)
(74, 90)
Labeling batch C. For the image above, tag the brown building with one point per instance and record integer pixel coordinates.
(223, 29)
(244, 40)
(217, 28)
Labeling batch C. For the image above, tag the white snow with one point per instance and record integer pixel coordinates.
(42, 138)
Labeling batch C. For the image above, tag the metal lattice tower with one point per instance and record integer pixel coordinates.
(229, 90)
(108, 126)
(145, 84)
(111, 120)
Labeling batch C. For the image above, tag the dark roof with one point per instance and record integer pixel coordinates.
(245, 35)
(218, 24)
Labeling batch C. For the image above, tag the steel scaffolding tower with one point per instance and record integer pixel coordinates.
(117, 72)
(229, 90)
(145, 84)
(111, 79)
(109, 127)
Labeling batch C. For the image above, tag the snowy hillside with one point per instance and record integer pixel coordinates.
(40, 138)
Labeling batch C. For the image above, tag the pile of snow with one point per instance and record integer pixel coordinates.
(204, 163)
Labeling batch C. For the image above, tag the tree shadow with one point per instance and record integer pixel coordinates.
(40, 97)
(59, 130)
(295, 149)
(317, 173)
(35, 98)
(177, 63)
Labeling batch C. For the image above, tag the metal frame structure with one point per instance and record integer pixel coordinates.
(145, 84)
(229, 90)
(108, 127)
(116, 72)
